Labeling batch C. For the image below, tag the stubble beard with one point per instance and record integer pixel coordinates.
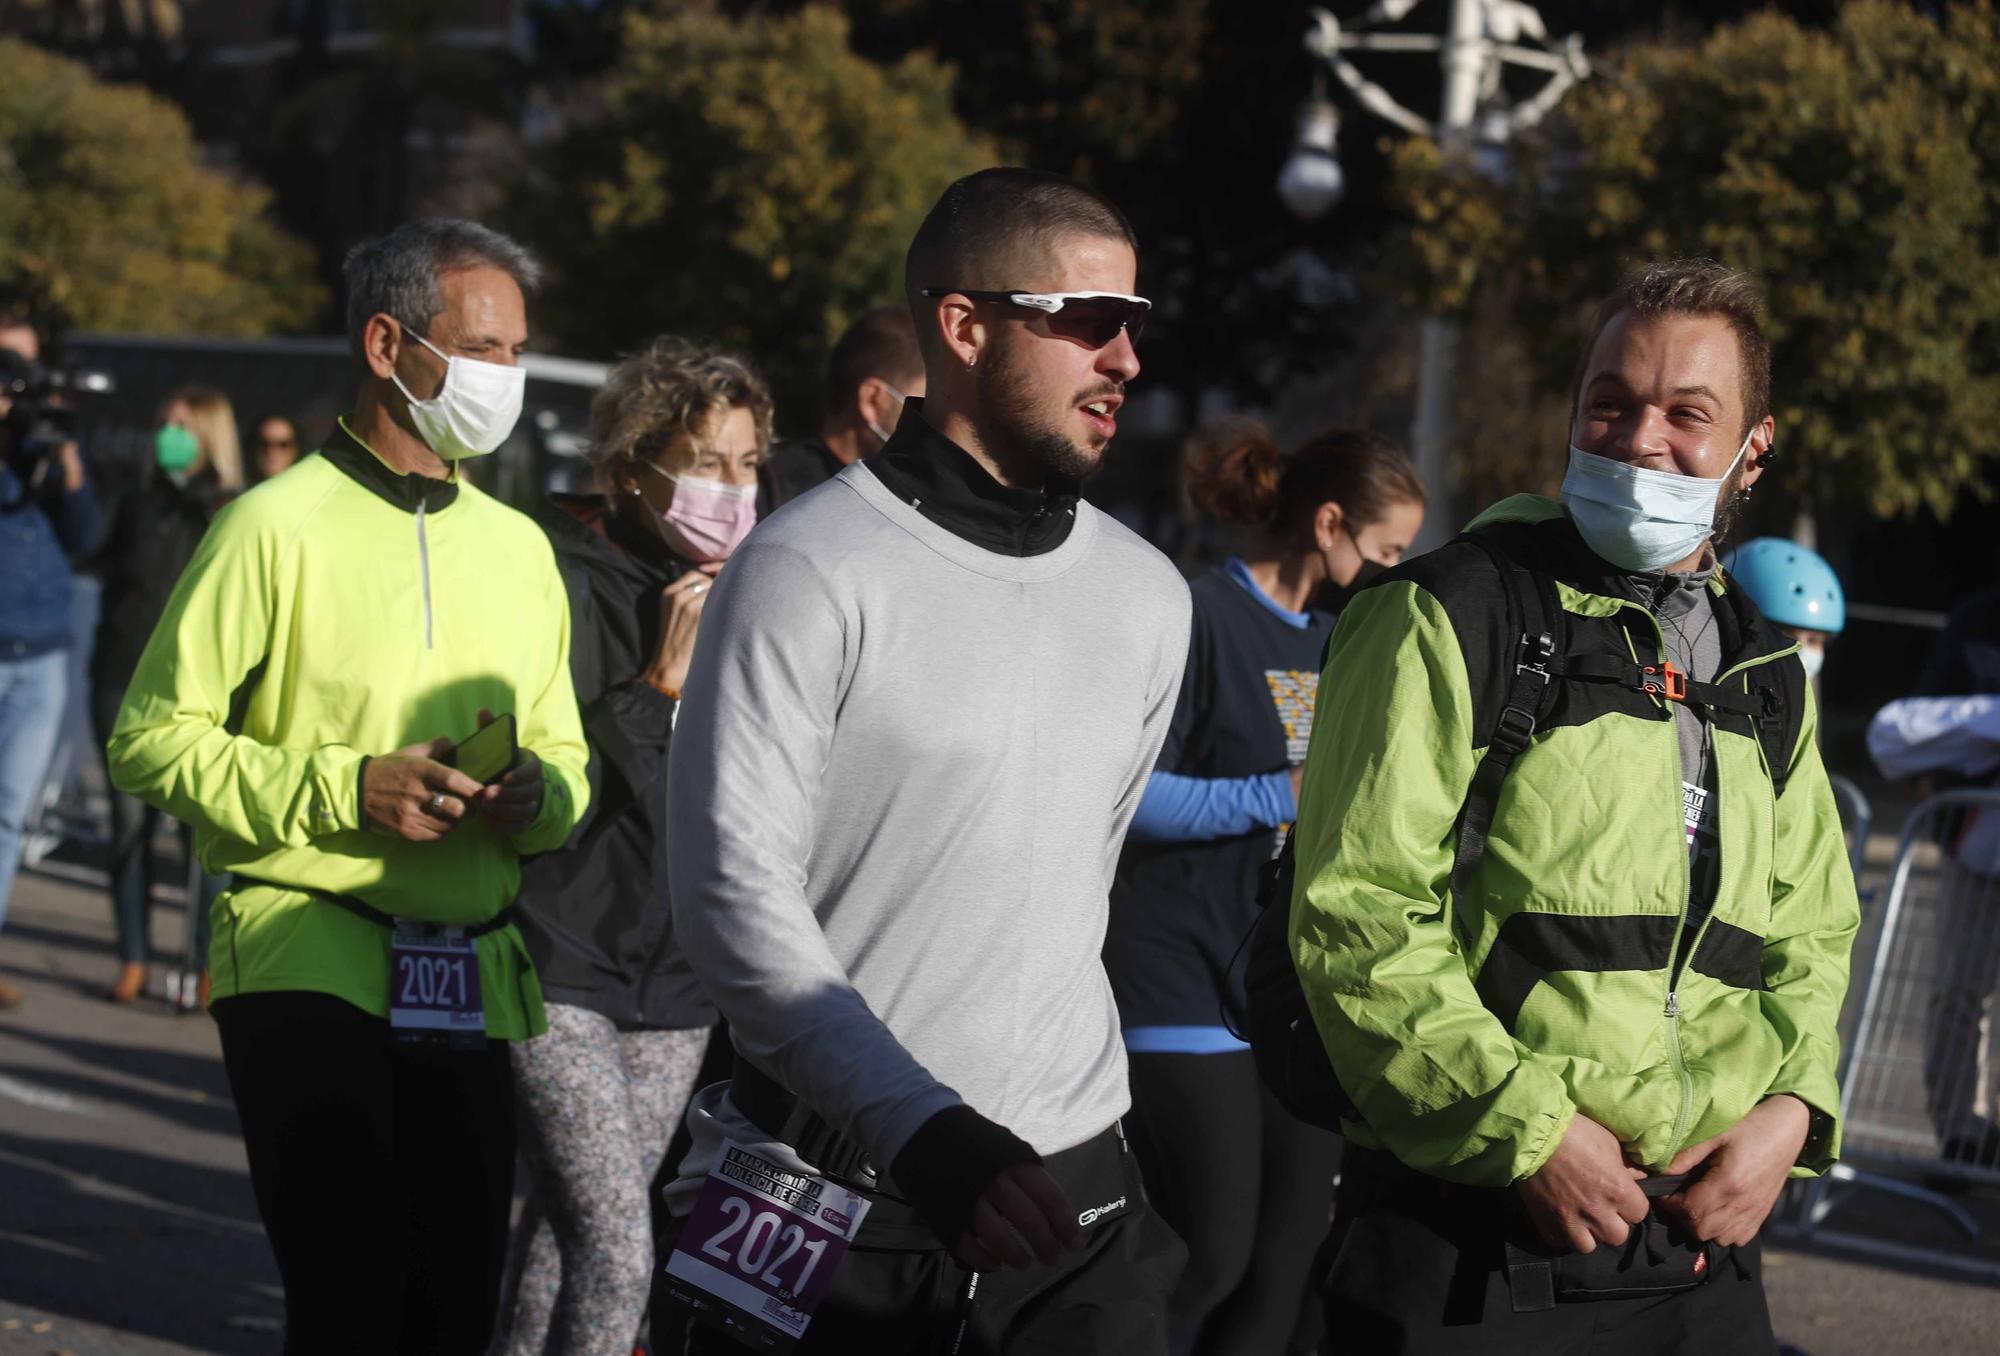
(1016, 429)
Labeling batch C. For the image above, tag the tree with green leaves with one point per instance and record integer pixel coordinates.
(110, 220)
(1855, 169)
(751, 182)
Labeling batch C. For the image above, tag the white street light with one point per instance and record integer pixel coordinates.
(1482, 39)
(1311, 183)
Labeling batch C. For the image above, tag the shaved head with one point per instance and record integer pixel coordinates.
(1002, 228)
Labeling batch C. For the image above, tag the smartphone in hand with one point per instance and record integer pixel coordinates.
(488, 753)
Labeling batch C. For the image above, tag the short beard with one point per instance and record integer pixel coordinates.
(1013, 428)
(1729, 512)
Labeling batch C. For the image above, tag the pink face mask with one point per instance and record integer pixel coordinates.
(708, 519)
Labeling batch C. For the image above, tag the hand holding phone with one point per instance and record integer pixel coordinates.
(512, 798)
(489, 752)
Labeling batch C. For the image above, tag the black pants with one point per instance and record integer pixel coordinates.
(383, 1173)
(1423, 1273)
(891, 1298)
(1248, 1186)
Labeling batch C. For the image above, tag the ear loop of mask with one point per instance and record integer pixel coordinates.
(877, 429)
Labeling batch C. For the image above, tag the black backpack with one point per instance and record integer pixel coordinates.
(1291, 1057)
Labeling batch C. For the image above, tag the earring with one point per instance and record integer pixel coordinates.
(971, 362)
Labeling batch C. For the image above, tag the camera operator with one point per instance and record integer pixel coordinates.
(47, 516)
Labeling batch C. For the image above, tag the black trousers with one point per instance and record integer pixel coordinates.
(1423, 1273)
(383, 1173)
(1248, 1186)
(894, 1298)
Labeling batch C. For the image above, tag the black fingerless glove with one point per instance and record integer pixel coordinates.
(947, 1165)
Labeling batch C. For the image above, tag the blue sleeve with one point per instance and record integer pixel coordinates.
(76, 519)
(1177, 809)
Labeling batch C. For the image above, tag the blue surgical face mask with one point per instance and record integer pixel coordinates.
(1641, 520)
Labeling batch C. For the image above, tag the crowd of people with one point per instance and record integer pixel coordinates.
(828, 867)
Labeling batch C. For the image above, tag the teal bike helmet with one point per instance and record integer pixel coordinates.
(1790, 585)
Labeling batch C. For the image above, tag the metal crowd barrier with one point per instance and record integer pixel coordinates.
(1857, 816)
(1917, 1101)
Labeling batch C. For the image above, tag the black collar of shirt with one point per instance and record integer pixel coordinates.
(406, 492)
(938, 478)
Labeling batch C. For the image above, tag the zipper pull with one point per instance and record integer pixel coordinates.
(1673, 1004)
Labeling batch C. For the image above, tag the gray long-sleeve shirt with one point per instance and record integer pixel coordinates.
(902, 772)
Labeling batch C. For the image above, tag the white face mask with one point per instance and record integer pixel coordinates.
(1814, 660)
(877, 429)
(475, 409)
(1637, 519)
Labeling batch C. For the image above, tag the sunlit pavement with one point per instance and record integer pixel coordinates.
(127, 1226)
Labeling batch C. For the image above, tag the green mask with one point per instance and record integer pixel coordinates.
(175, 448)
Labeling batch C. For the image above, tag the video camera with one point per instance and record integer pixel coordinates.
(43, 415)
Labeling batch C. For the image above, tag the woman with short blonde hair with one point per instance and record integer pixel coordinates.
(679, 433)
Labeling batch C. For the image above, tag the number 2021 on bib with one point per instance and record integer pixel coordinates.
(758, 1251)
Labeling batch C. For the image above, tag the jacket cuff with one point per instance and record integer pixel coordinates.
(1822, 1146)
(335, 805)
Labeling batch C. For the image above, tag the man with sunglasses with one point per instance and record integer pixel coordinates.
(907, 754)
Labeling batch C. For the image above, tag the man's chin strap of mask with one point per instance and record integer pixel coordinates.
(876, 428)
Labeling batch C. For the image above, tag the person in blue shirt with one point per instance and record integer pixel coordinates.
(1243, 1182)
(48, 516)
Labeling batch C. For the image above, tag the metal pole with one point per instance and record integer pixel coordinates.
(1464, 61)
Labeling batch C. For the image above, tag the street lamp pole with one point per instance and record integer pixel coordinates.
(1482, 37)
(1435, 424)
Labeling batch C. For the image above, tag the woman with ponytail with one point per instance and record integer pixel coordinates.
(1246, 1185)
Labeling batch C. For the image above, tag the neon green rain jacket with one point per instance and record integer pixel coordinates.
(337, 611)
(1468, 1032)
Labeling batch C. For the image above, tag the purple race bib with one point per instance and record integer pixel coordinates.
(758, 1252)
(434, 985)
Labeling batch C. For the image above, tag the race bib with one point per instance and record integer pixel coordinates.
(434, 986)
(758, 1252)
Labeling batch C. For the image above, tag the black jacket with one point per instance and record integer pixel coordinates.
(154, 532)
(595, 914)
(794, 466)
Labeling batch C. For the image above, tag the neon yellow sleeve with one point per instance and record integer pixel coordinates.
(171, 746)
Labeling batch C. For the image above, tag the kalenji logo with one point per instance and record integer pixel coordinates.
(1090, 1217)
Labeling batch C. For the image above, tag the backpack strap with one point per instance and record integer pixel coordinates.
(1664, 681)
(1535, 618)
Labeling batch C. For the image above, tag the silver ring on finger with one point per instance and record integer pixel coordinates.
(436, 805)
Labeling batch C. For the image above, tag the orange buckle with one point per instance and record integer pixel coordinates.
(1670, 682)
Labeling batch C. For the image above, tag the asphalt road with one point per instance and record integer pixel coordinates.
(127, 1226)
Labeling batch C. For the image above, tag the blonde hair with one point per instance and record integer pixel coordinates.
(212, 420)
(653, 404)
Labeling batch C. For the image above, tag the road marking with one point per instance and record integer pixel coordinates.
(30, 1095)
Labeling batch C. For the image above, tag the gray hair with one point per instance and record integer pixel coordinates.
(397, 274)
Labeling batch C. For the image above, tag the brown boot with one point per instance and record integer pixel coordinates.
(131, 983)
(10, 997)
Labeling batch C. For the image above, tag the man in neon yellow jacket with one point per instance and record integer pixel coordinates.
(341, 628)
(1640, 979)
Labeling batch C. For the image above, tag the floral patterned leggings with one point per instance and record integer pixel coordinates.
(599, 1103)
